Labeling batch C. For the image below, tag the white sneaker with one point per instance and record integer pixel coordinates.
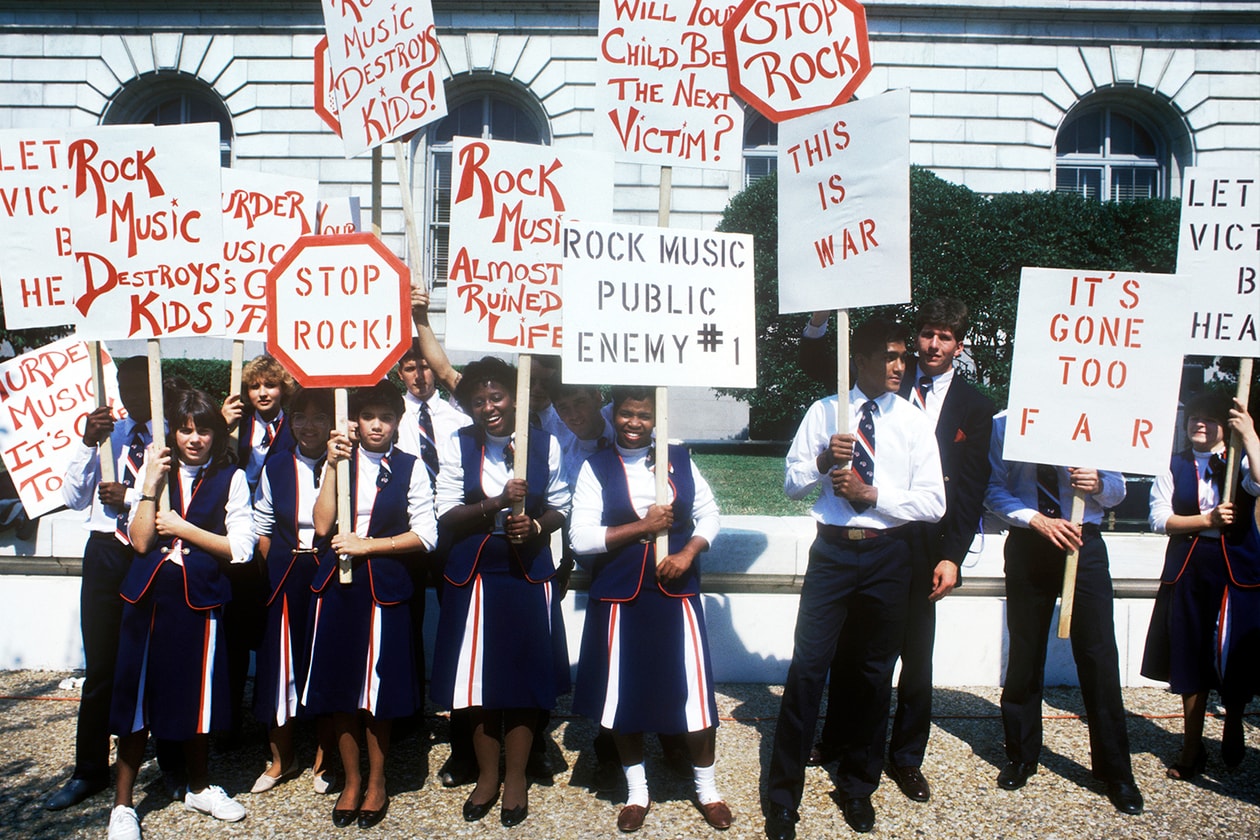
(123, 823)
(215, 802)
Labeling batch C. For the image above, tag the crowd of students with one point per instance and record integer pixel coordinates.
(219, 550)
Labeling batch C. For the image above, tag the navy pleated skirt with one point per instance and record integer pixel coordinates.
(284, 655)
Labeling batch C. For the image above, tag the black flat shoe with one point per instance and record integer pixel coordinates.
(474, 811)
(514, 816)
(342, 817)
(1186, 772)
(455, 773)
(72, 793)
(1015, 774)
(781, 823)
(367, 818)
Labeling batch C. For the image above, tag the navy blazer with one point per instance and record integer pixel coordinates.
(205, 584)
(618, 575)
(284, 441)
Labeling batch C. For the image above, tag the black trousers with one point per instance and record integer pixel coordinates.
(105, 564)
(864, 584)
(1034, 579)
(912, 722)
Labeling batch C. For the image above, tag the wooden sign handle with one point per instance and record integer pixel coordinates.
(234, 382)
(842, 371)
(109, 466)
(521, 442)
(414, 250)
(662, 466)
(1233, 462)
(157, 413)
(345, 524)
(1069, 570)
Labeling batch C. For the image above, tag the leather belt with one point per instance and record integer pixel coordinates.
(837, 533)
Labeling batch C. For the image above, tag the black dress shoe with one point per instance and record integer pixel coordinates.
(457, 772)
(367, 818)
(818, 756)
(1015, 774)
(72, 793)
(911, 782)
(474, 811)
(781, 823)
(1233, 744)
(1125, 796)
(343, 817)
(859, 814)
(514, 816)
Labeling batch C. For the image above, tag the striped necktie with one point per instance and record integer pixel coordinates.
(382, 477)
(864, 450)
(132, 465)
(1048, 491)
(921, 390)
(428, 449)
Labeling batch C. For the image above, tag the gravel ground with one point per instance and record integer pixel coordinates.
(1062, 801)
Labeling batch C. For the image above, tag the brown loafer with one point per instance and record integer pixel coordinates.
(717, 815)
(631, 817)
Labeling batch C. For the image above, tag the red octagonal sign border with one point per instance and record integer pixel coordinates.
(764, 108)
(330, 117)
(378, 372)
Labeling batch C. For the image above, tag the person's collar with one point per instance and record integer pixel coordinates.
(858, 397)
(940, 379)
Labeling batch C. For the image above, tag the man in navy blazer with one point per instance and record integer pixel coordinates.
(964, 420)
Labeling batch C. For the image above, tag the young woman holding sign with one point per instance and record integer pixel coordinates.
(500, 644)
(1205, 618)
(172, 677)
(362, 670)
(645, 663)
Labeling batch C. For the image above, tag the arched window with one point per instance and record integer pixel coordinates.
(761, 147)
(1109, 155)
(492, 114)
(172, 98)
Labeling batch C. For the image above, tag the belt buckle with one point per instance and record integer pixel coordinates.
(855, 533)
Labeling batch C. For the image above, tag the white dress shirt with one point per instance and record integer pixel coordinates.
(83, 476)
(307, 492)
(419, 498)
(574, 453)
(447, 419)
(907, 464)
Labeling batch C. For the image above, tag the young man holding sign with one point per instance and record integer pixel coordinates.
(1032, 499)
(884, 475)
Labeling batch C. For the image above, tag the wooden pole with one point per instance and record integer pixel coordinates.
(377, 215)
(520, 466)
(157, 413)
(1233, 462)
(345, 522)
(662, 394)
(1069, 570)
(234, 384)
(109, 466)
(842, 371)
(414, 250)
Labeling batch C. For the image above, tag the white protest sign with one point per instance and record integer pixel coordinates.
(1095, 372)
(337, 216)
(46, 394)
(662, 95)
(1218, 252)
(658, 306)
(508, 201)
(844, 206)
(37, 272)
(148, 230)
(385, 71)
(339, 310)
(263, 215)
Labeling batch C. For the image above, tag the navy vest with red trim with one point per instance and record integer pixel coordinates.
(387, 574)
(1239, 539)
(205, 584)
(620, 575)
(534, 556)
(282, 475)
(283, 442)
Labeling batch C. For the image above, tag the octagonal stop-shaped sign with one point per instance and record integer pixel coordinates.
(325, 100)
(791, 59)
(340, 310)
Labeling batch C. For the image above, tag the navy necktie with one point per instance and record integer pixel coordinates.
(1048, 491)
(382, 477)
(132, 465)
(428, 449)
(921, 391)
(864, 450)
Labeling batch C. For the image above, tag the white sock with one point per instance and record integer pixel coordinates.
(706, 784)
(636, 784)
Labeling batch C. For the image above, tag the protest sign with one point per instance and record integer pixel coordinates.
(657, 306)
(325, 98)
(46, 395)
(1096, 369)
(148, 233)
(37, 273)
(790, 59)
(662, 95)
(844, 188)
(263, 215)
(337, 216)
(385, 70)
(340, 310)
(508, 202)
(1218, 253)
